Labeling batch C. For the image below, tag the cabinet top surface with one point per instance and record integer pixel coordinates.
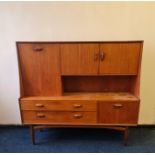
(121, 96)
(117, 41)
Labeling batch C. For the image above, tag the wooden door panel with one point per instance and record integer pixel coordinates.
(40, 69)
(119, 58)
(79, 59)
(118, 112)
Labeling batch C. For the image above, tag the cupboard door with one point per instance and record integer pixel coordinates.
(40, 71)
(118, 112)
(79, 59)
(119, 58)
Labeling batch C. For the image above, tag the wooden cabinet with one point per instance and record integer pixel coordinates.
(79, 84)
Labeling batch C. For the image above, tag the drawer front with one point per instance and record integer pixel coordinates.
(118, 112)
(44, 117)
(59, 105)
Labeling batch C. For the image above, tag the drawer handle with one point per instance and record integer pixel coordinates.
(118, 105)
(77, 115)
(39, 105)
(77, 105)
(40, 115)
(37, 49)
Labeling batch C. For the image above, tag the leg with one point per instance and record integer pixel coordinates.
(32, 131)
(41, 130)
(125, 136)
(122, 129)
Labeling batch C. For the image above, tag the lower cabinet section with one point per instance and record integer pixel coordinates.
(80, 112)
(118, 112)
(41, 117)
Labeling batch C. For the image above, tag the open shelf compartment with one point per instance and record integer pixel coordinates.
(99, 84)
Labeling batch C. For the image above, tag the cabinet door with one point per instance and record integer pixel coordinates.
(118, 112)
(119, 58)
(79, 59)
(40, 71)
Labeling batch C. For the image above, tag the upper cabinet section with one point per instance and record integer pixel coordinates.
(119, 58)
(103, 58)
(42, 65)
(79, 58)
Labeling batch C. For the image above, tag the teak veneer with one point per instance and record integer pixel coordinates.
(80, 84)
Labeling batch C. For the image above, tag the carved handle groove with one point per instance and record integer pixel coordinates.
(77, 115)
(38, 49)
(40, 115)
(39, 105)
(77, 105)
(118, 105)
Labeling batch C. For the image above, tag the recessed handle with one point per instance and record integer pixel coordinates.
(77, 105)
(118, 105)
(40, 105)
(40, 115)
(102, 56)
(38, 49)
(77, 116)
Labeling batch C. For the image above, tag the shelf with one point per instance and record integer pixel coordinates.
(110, 96)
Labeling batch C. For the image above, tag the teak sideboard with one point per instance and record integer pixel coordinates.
(79, 84)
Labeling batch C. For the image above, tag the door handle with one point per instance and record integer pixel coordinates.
(102, 56)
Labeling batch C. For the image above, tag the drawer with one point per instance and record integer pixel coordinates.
(118, 112)
(44, 117)
(59, 105)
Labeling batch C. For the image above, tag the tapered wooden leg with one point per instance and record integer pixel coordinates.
(126, 136)
(32, 131)
(41, 130)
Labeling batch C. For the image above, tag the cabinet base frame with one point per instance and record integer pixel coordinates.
(123, 129)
